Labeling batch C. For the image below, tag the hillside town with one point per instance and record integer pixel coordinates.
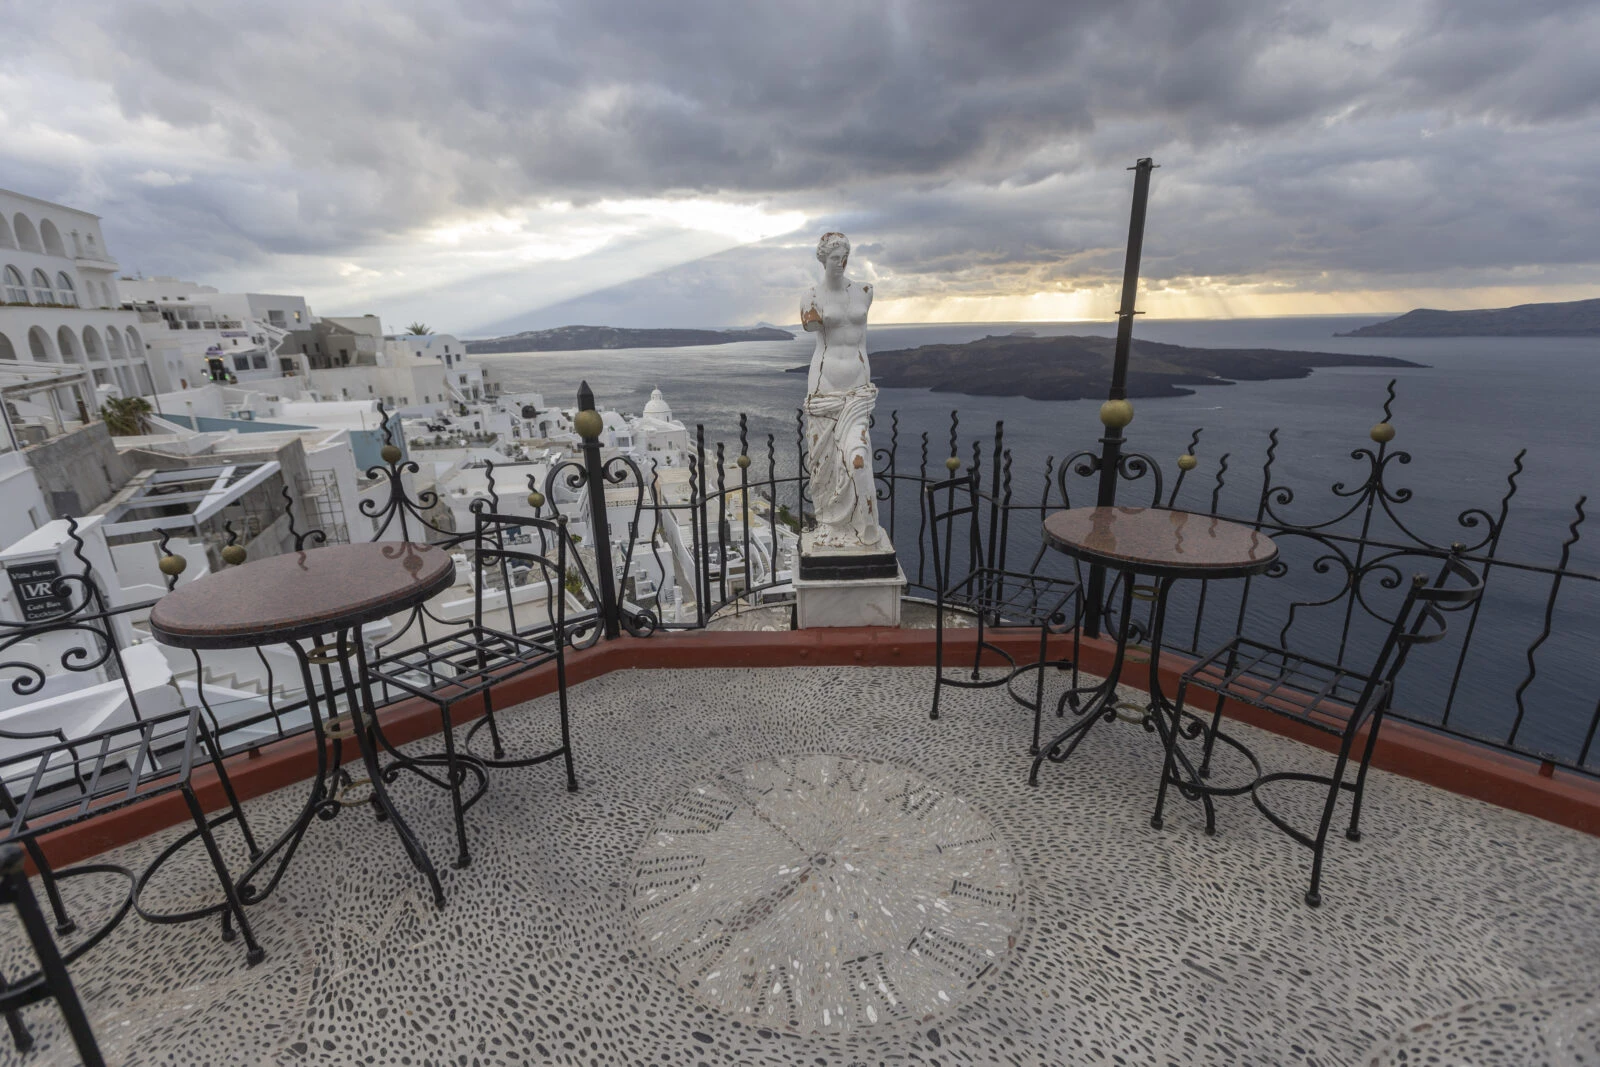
(155, 416)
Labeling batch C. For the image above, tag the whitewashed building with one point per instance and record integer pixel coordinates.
(463, 379)
(349, 358)
(66, 343)
(201, 335)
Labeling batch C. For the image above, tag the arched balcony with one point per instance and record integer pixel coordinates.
(67, 341)
(65, 292)
(40, 346)
(114, 344)
(6, 240)
(91, 344)
(50, 237)
(7, 351)
(27, 236)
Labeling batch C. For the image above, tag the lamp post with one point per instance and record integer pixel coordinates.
(1116, 413)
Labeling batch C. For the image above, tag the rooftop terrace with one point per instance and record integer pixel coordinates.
(776, 857)
(821, 819)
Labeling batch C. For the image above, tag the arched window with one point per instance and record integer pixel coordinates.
(135, 346)
(6, 240)
(64, 290)
(42, 293)
(27, 236)
(91, 344)
(51, 238)
(114, 343)
(16, 288)
(6, 350)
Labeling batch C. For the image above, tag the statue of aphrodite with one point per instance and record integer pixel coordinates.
(839, 401)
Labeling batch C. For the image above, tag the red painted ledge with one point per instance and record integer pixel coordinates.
(1437, 759)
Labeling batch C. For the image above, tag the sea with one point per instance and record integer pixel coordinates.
(1462, 418)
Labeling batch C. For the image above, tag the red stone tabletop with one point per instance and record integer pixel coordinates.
(1161, 542)
(300, 594)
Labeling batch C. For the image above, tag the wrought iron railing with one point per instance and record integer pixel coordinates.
(1515, 675)
(1342, 552)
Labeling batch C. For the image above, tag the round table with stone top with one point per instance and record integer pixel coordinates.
(1166, 545)
(315, 602)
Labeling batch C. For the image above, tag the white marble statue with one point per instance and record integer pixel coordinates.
(839, 401)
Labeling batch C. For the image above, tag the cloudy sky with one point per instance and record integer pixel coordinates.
(489, 165)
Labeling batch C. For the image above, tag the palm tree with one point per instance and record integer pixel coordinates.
(125, 416)
(421, 329)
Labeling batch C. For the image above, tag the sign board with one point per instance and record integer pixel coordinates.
(37, 593)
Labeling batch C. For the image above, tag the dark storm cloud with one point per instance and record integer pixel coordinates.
(979, 146)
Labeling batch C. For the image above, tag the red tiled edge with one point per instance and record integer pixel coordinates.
(1456, 765)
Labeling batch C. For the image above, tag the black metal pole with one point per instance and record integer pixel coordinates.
(589, 427)
(1116, 412)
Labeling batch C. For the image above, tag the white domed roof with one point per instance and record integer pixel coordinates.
(656, 406)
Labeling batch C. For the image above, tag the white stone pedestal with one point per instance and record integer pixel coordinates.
(849, 602)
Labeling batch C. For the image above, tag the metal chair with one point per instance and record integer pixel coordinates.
(67, 781)
(995, 597)
(471, 660)
(51, 982)
(1325, 696)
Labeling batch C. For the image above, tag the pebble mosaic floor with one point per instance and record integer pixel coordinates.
(1069, 932)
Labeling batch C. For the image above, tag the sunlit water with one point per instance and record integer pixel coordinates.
(1462, 418)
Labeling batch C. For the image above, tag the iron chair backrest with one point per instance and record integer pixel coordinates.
(1420, 620)
(545, 555)
(960, 497)
(86, 615)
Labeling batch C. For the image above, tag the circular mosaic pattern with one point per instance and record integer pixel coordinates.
(824, 895)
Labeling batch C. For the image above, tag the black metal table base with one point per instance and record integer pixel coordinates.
(1099, 703)
(334, 782)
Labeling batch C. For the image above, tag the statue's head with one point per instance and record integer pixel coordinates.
(833, 243)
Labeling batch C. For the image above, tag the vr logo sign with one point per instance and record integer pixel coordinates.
(37, 593)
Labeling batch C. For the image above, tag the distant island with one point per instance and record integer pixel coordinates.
(576, 338)
(1575, 318)
(1077, 368)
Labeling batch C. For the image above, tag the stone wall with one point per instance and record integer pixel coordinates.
(79, 471)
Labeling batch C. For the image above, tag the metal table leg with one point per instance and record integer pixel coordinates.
(364, 715)
(1159, 716)
(332, 780)
(1102, 702)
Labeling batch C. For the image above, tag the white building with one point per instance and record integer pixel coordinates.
(348, 358)
(203, 335)
(660, 437)
(65, 341)
(463, 377)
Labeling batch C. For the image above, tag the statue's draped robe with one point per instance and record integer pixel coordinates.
(836, 429)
